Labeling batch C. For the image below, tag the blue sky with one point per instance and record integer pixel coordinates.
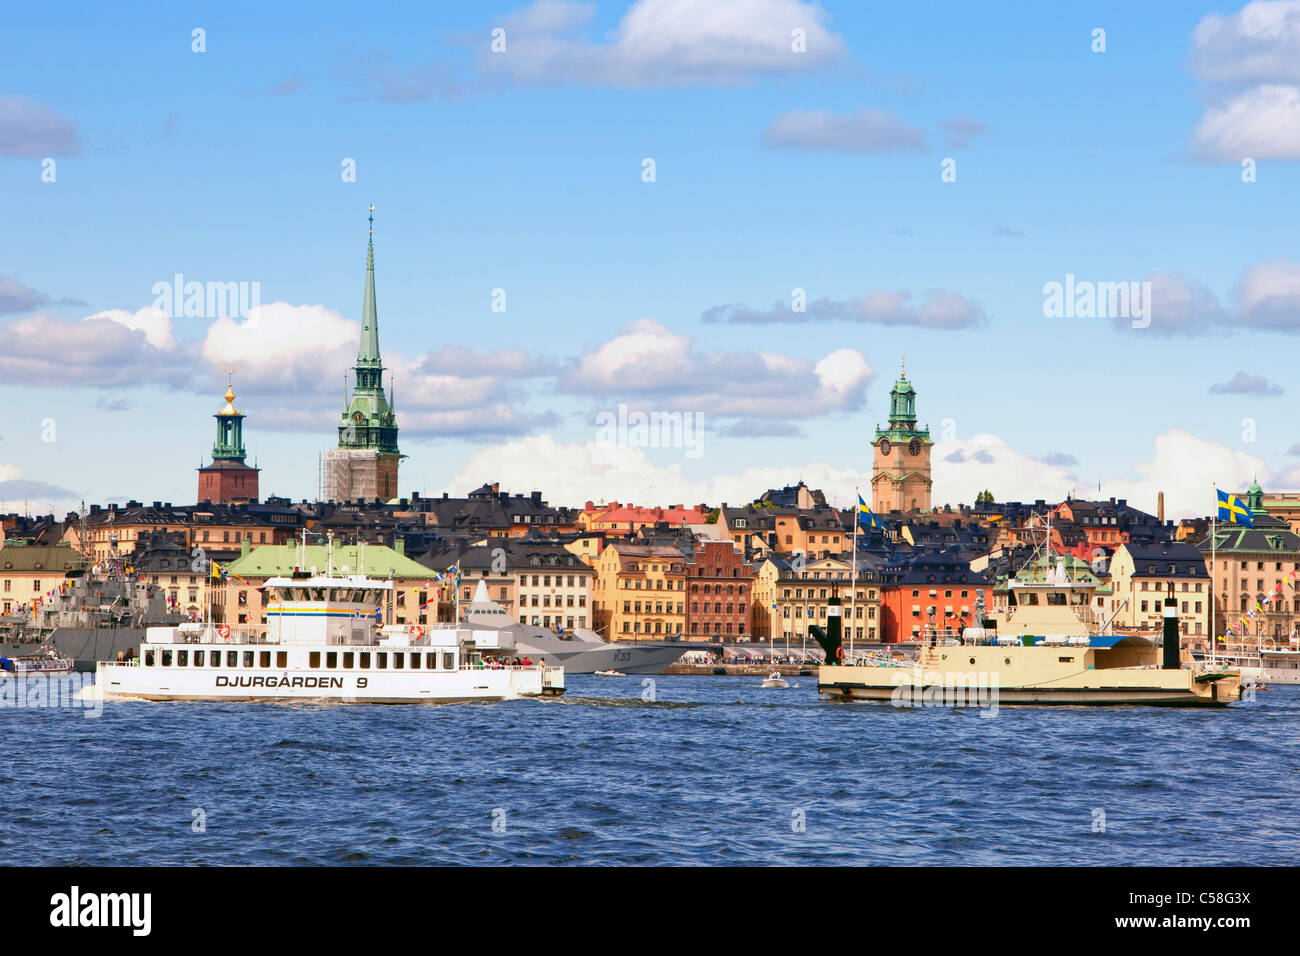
(523, 171)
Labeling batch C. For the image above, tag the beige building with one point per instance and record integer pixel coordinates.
(1141, 576)
(790, 596)
(640, 592)
(29, 572)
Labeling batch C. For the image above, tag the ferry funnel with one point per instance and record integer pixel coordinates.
(1170, 637)
(830, 639)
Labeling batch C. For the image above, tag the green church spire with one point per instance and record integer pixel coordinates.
(229, 445)
(368, 419)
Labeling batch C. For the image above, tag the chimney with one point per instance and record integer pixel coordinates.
(1160, 507)
(243, 547)
(399, 545)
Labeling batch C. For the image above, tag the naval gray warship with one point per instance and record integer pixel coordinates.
(94, 618)
(581, 651)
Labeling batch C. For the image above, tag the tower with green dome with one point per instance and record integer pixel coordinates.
(900, 475)
(365, 463)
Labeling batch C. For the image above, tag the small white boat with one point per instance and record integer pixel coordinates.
(610, 674)
(775, 679)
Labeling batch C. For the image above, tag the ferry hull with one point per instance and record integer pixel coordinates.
(132, 682)
(1036, 676)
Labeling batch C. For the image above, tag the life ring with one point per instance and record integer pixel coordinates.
(839, 653)
(224, 631)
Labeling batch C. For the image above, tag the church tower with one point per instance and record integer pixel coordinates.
(365, 463)
(228, 478)
(900, 473)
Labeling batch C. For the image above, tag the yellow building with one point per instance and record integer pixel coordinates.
(1140, 578)
(790, 596)
(29, 572)
(639, 592)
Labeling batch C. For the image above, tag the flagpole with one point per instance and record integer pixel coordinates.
(853, 574)
(1214, 541)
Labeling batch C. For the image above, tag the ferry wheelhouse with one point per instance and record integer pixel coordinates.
(323, 640)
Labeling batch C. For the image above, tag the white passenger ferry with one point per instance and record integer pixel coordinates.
(322, 640)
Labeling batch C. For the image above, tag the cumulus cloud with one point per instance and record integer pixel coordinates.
(663, 43)
(17, 298)
(647, 361)
(935, 309)
(1266, 298)
(1185, 467)
(100, 351)
(154, 323)
(28, 129)
(1251, 63)
(866, 131)
(1244, 383)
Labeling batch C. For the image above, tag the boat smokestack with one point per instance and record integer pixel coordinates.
(832, 638)
(1170, 637)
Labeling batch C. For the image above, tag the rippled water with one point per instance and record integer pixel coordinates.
(715, 771)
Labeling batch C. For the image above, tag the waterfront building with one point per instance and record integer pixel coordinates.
(719, 592)
(29, 572)
(1141, 575)
(228, 478)
(1252, 564)
(929, 590)
(364, 465)
(639, 592)
(900, 473)
(791, 595)
(537, 582)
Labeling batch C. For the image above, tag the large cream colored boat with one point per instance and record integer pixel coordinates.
(1050, 647)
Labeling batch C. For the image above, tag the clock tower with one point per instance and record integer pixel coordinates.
(900, 473)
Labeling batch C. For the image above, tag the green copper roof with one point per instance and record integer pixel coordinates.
(369, 420)
(368, 353)
(273, 560)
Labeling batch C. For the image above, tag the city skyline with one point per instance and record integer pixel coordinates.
(782, 178)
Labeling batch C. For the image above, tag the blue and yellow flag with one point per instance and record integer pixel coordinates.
(866, 518)
(1232, 509)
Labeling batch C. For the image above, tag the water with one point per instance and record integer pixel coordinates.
(715, 771)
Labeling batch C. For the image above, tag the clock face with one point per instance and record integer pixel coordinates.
(914, 446)
(884, 446)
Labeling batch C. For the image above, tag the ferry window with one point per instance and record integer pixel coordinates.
(248, 658)
(265, 659)
(198, 658)
(432, 661)
(166, 658)
(332, 659)
(214, 658)
(148, 658)
(1056, 598)
(365, 659)
(313, 659)
(281, 658)
(232, 657)
(399, 661)
(182, 658)
(448, 661)
(1031, 598)
(347, 660)
(381, 660)
(415, 662)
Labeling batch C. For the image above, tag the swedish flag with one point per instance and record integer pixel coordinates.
(1233, 510)
(865, 516)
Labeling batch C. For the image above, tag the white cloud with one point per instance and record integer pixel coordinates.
(1251, 59)
(662, 43)
(936, 309)
(1186, 468)
(647, 361)
(29, 129)
(154, 323)
(866, 131)
(1261, 123)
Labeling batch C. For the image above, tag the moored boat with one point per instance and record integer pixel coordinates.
(47, 663)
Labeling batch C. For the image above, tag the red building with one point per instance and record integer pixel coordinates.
(934, 590)
(228, 478)
(719, 589)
